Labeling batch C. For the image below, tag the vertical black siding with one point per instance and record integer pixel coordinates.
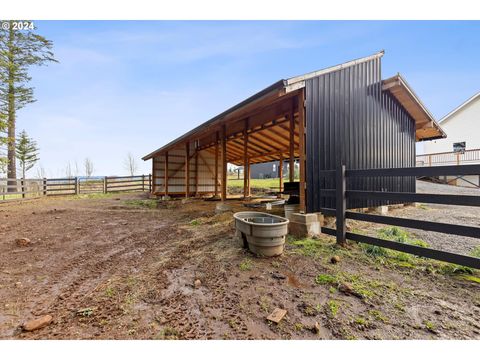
(350, 119)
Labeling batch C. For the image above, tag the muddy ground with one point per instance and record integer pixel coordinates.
(116, 267)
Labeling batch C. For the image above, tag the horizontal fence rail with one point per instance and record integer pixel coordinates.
(18, 189)
(341, 194)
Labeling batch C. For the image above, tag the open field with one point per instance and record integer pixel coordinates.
(111, 266)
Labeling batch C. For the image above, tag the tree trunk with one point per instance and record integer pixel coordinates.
(11, 167)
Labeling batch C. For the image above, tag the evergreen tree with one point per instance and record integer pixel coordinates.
(26, 152)
(19, 50)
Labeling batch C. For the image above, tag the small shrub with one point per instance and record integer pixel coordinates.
(333, 307)
(245, 265)
(195, 222)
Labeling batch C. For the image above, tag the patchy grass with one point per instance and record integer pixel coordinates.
(378, 315)
(396, 234)
(148, 203)
(362, 287)
(94, 196)
(324, 246)
(475, 252)
(256, 183)
(323, 279)
(333, 307)
(195, 222)
(245, 265)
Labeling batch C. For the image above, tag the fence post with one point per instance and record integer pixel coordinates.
(22, 182)
(341, 204)
(150, 183)
(105, 184)
(143, 182)
(44, 186)
(76, 185)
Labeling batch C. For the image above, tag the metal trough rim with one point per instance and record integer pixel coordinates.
(242, 215)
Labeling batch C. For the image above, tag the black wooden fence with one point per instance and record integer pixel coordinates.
(17, 189)
(341, 193)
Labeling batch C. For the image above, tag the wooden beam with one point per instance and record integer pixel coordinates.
(260, 155)
(223, 149)
(187, 169)
(302, 162)
(292, 145)
(216, 164)
(246, 174)
(166, 173)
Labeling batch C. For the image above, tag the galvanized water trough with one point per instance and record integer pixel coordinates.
(264, 233)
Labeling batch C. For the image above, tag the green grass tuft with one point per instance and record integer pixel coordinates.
(323, 279)
(149, 203)
(245, 265)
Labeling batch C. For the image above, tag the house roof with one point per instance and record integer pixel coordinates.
(427, 128)
(460, 107)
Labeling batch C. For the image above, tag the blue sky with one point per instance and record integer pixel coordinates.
(132, 86)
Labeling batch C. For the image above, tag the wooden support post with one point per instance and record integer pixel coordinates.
(248, 183)
(143, 182)
(292, 146)
(187, 169)
(152, 184)
(301, 150)
(223, 148)
(22, 182)
(44, 186)
(105, 184)
(216, 164)
(196, 171)
(341, 204)
(166, 173)
(149, 183)
(246, 170)
(77, 185)
(280, 175)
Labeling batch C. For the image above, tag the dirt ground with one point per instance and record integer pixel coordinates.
(117, 267)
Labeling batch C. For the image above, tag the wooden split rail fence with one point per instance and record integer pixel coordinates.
(17, 189)
(341, 194)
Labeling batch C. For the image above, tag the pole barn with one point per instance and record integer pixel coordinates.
(345, 114)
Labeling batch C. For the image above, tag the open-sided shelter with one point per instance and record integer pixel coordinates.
(342, 114)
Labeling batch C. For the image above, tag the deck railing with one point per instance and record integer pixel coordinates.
(449, 158)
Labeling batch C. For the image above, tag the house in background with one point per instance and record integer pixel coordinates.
(463, 128)
(462, 146)
(268, 170)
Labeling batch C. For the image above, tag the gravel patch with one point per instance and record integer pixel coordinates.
(451, 214)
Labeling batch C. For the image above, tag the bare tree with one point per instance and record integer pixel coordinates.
(76, 169)
(41, 174)
(68, 170)
(88, 166)
(130, 164)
